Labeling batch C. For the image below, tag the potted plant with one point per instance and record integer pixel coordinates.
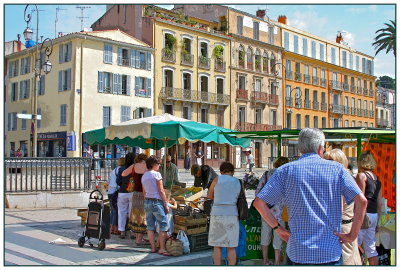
(218, 51)
(258, 63)
(170, 40)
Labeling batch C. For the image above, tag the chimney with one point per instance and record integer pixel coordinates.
(339, 38)
(19, 43)
(282, 19)
(260, 14)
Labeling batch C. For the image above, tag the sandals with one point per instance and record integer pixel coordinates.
(154, 251)
(165, 253)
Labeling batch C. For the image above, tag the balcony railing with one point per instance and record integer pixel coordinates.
(220, 65)
(315, 80)
(168, 55)
(194, 96)
(365, 91)
(323, 82)
(187, 59)
(359, 90)
(324, 107)
(353, 111)
(371, 114)
(315, 105)
(245, 126)
(273, 99)
(125, 61)
(289, 102)
(307, 104)
(382, 122)
(289, 75)
(259, 97)
(346, 87)
(335, 85)
(306, 78)
(250, 65)
(242, 94)
(336, 108)
(213, 98)
(371, 92)
(359, 112)
(353, 88)
(297, 76)
(142, 92)
(241, 64)
(298, 103)
(365, 113)
(346, 110)
(204, 62)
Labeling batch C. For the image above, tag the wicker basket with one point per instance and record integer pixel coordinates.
(174, 247)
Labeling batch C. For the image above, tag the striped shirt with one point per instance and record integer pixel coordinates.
(312, 188)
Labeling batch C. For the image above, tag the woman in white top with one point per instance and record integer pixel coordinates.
(112, 188)
(224, 220)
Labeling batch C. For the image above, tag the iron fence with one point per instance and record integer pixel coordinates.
(55, 174)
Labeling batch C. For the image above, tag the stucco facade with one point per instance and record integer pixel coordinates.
(91, 85)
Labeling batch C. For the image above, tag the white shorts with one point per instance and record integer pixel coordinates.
(367, 237)
(266, 233)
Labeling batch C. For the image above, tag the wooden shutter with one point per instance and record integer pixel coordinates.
(21, 89)
(100, 82)
(105, 53)
(68, 79)
(14, 119)
(28, 88)
(22, 66)
(128, 85)
(132, 58)
(120, 84)
(69, 52)
(60, 81)
(10, 69)
(119, 56)
(61, 54)
(136, 85)
(28, 60)
(147, 112)
(16, 67)
(115, 84)
(148, 64)
(137, 59)
(9, 122)
(148, 94)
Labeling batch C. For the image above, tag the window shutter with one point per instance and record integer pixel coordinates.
(9, 122)
(128, 85)
(132, 58)
(16, 67)
(60, 81)
(105, 54)
(119, 56)
(148, 64)
(69, 53)
(14, 116)
(147, 112)
(115, 84)
(69, 79)
(28, 88)
(61, 54)
(10, 68)
(148, 87)
(100, 82)
(119, 84)
(137, 59)
(21, 89)
(110, 54)
(190, 113)
(42, 84)
(122, 113)
(286, 41)
(28, 64)
(22, 66)
(136, 85)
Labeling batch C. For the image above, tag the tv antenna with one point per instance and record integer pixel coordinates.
(55, 22)
(82, 8)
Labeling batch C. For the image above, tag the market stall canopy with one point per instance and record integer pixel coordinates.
(164, 130)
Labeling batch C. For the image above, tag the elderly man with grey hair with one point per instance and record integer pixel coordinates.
(312, 188)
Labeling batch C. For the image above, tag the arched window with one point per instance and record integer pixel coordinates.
(273, 62)
(258, 60)
(265, 62)
(249, 58)
(241, 56)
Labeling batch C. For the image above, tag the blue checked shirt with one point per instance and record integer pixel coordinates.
(312, 188)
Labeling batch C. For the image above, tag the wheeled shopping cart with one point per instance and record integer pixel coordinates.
(98, 221)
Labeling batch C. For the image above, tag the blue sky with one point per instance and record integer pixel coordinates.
(358, 21)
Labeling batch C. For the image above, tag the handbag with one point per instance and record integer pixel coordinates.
(185, 241)
(243, 209)
(131, 184)
(207, 205)
(366, 222)
(174, 246)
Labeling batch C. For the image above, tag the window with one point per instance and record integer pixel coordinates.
(353, 123)
(187, 80)
(65, 52)
(242, 114)
(333, 56)
(357, 63)
(106, 116)
(239, 21)
(168, 108)
(257, 85)
(220, 85)
(346, 101)
(220, 117)
(13, 68)
(286, 41)
(296, 44)
(203, 83)
(41, 85)
(305, 47)
(242, 82)
(364, 66)
(315, 121)
(25, 65)
(323, 98)
(24, 89)
(258, 116)
(142, 112)
(143, 86)
(359, 123)
(63, 115)
(371, 106)
(12, 149)
(125, 113)
(307, 121)
(273, 119)
(344, 59)
(14, 91)
(204, 115)
(313, 49)
(298, 121)
(107, 56)
(323, 122)
(39, 122)
(346, 123)
(271, 34)
(64, 80)
(256, 30)
(335, 122)
(288, 66)
(289, 120)
(204, 49)
(23, 122)
(351, 61)
(12, 121)
(187, 112)
(371, 125)
(321, 52)
(142, 60)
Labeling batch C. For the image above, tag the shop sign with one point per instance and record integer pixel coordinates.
(71, 141)
(51, 136)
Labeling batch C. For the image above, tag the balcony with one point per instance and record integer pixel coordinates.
(142, 93)
(365, 113)
(242, 94)
(352, 88)
(371, 114)
(298, 103)
(336, 108)
(125, 61)
(306, 78)
(259, 97)
(250, 65)
(315, 105)
(359, 90)
(273, 99)
(168, 55)
(289, 102)
(371, 93)
(323, 82)
(324, 107)
(241, 64)
(204, 62)
(187, 59)
(335, 85)
(258, 66)
(179, 94)
(346, 87)
(297, 76)
(382, 122)
(346, 110)
(213, 98)
(289, 75)
(219, 65)
(307, 104)
(244, 126)
(353, 111)
(359, 112)
(365, 91)
(315, 80)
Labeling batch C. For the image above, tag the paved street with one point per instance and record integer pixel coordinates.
(29, 234)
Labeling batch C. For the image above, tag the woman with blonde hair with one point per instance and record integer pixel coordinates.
(371, 186)
(350, 253)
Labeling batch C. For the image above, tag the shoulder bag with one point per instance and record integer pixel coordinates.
(243, 209)
(131, 184)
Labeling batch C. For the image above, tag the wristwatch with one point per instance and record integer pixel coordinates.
(276, 227)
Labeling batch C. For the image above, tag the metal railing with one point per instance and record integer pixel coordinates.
(289, 75)
(324, 107)
(315, 105)
(242, 94)
(168, 55)
(353, 111)
(359, 90)
(204, 62)
(187, 59)
(307, 104)
(353, 88)
(315, 80)
(245, 126)
(336, 108)
(365, 91)
(359, 112)
(323, 82)
(346, 87)
(297, 76)
(289, 102)
(346, 110)
(259, 97)
(55, 174)
(298, 103)
(273, 99)
(371, 92)
(219, 65)
(306, 78)
(335, 85)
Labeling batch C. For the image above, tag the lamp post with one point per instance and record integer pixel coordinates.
(39, 65)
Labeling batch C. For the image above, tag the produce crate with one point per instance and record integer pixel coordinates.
(198, 242)
(190, 229)
(82, 212)
(189, 220)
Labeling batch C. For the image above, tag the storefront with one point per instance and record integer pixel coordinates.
(52, 144)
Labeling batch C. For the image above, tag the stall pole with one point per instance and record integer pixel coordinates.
(359, 149)
(279, 145)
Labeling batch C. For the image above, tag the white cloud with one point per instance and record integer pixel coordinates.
(308, 21)
(363, 9)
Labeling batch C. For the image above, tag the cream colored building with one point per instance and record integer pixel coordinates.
(98, 79)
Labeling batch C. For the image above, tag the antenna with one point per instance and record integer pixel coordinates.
(82, 17)
(55, 22)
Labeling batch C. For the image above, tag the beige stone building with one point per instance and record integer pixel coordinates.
(98, 79)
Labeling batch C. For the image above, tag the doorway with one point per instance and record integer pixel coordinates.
(257, 154)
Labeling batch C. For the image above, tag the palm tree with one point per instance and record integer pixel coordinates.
(386, 39)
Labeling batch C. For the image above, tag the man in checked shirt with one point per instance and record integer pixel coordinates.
(312, 188)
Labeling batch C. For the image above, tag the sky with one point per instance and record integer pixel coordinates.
(357, 22)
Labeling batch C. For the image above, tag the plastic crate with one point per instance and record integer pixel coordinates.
(198, 242)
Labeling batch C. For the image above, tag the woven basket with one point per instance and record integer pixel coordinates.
(174, 247)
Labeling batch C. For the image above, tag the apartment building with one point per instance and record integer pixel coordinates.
(385, 108)
(256, 74)
(98, 79)
(192, 60)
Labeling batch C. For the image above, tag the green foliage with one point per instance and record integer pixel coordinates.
(170, 41)
(218, 51)
(241, 55)
(386, 82)
(386, 40)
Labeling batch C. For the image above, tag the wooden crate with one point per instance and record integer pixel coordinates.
(82, 212)
(188, 220)
(190, 229)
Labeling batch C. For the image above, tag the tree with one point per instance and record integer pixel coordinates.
(386, 82)
(386, 40)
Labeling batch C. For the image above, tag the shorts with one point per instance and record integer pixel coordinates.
(367, 236)
(224, 231)
(266, 233)
(155, 212)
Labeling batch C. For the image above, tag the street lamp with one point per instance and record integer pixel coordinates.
(46, 66)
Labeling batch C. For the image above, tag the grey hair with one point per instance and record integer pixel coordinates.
(310, 139)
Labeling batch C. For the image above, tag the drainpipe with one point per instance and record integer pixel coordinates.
(80, 100)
